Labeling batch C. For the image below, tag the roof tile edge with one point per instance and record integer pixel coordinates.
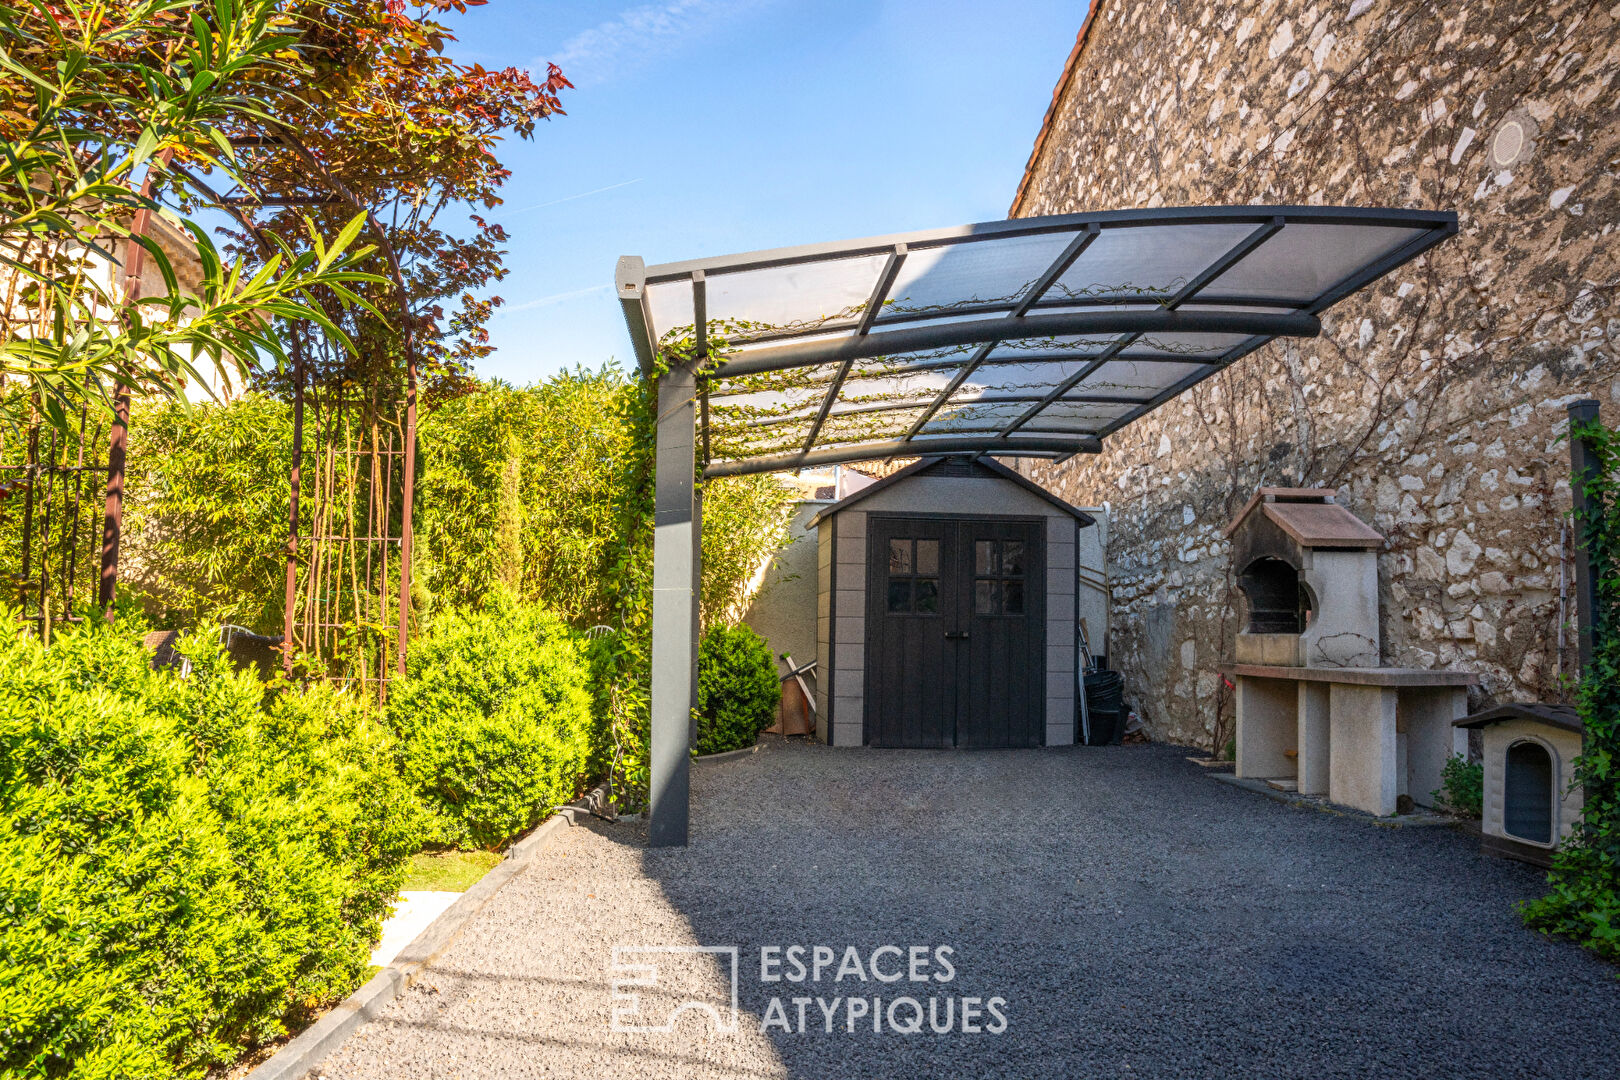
(1069, 67)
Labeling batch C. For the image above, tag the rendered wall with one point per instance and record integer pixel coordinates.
(783, 611)
(1434, 400)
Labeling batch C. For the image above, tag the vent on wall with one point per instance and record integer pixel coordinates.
(954, 466)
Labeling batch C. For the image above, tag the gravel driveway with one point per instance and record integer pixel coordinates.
(1137, 918)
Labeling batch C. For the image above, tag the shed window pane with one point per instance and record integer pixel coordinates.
(984, 556)
(927, 596)
(1012, 557)
(1012, 594)
(928, 556)
(899, 556)
(900, 595)
(1528, 794)
(987, 597)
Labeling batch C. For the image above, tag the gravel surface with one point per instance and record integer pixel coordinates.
(1137, 918)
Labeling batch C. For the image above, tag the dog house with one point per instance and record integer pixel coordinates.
(1531, 803)
(1316, 712)
(945, 610)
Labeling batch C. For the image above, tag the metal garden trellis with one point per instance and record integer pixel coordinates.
(1033, 337)
(318, 623)
(393, 457)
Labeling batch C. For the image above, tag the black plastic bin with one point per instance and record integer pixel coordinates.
(1105, 696)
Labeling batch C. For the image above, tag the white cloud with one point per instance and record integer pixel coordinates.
(608, 48)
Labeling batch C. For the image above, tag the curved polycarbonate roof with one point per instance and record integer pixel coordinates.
(1031, 337)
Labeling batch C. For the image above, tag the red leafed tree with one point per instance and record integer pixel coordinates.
(392, 118)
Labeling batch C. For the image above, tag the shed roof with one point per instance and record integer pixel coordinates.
(1558, 716)
(987, 466)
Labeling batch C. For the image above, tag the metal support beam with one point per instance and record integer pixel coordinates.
(1221, 265)
(1584, 467)
(1231, 356)
(674, 620)
(954, 364)
(988, 399)
(872, 451)
(1231, 258)
(630, 283)
(1070, 383)
(973, 331)
(700, 351)
(1060, 266)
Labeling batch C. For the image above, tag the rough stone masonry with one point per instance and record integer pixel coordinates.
(1435, 401)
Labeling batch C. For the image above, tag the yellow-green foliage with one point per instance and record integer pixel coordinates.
(448, 871)
(184, 871)
(520, 487)
(494, 719)
(207, 520)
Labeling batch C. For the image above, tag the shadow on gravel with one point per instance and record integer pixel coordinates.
(1136, 918)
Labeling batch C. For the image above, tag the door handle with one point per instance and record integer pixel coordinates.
(956, 635)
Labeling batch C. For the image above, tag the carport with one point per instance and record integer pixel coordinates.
(1035, 337)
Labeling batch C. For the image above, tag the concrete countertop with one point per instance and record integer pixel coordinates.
(1360, 676)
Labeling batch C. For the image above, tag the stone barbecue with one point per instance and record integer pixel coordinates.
(1316, 711)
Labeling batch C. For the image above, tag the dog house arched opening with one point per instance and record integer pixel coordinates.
(1528, 793)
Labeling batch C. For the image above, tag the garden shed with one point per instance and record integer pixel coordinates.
(945, 610)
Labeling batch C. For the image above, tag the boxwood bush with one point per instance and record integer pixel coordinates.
(738, 690)
(185, 872)
(494, 721)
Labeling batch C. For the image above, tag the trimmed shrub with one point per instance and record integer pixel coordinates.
(184, 873)
(738, 691)
(494, 720)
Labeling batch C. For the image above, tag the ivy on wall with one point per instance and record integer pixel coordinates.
(1584, 903)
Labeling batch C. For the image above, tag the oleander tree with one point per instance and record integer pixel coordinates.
(102, 102)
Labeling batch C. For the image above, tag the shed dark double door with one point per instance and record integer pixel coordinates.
(955, 633)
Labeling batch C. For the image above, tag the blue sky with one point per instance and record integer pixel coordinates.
(701, 127)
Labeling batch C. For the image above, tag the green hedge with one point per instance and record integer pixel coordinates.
(494, 720)
(185, 872)
(738, 691)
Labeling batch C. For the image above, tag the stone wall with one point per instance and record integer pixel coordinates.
(1434, 401)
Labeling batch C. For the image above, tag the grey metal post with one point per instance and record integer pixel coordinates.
(697, 604)
(1583, 465)
(674, 622)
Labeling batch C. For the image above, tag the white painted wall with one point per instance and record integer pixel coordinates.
(783, 611)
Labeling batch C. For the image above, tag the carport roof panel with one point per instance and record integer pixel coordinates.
(1192, 289)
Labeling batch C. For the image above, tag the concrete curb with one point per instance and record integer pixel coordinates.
(1260, 787)
(730, 753)
(314, 1043)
